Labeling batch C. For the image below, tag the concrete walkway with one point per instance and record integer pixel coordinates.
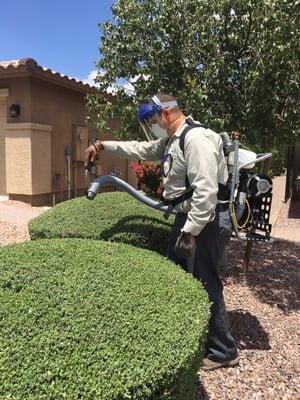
(285, 217)
(278, 197)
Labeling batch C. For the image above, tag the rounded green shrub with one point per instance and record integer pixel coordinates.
(96, 320)
(114, 216)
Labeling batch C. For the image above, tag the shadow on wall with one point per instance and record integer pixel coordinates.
(274, 275)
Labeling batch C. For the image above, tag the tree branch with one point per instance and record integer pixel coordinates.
(244, 47)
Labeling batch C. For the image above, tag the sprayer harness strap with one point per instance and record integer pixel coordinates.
(189, 191)
(191, 125)
(179, 199)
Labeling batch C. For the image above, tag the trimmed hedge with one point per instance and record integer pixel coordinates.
(114, 216)
(96, 320)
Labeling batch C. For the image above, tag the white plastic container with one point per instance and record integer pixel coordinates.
(244, 157)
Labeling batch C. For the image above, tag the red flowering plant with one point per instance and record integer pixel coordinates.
(149, 176)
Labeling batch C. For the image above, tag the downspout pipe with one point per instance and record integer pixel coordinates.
(95, 187)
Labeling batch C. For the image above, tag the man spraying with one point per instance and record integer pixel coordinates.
(194, 171)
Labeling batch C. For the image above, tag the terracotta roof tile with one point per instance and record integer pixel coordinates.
(30, 65)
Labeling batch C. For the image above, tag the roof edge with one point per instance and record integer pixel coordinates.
(30, 65)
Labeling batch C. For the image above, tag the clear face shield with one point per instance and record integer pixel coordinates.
(152, 128)
(149, 117)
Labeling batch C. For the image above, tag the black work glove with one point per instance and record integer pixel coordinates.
(185, 245)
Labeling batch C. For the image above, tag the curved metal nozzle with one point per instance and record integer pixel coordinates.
(95, 187)
(90, 195)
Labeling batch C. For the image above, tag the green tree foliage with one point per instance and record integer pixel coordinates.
(234, 65)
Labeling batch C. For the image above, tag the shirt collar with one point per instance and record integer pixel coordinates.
(179, 130)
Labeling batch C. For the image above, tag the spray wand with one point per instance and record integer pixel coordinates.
(88, 169)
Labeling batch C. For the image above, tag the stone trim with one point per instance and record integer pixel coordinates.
(29, 126)
(4, 92)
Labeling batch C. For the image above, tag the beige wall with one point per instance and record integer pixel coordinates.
(15, 169)
(109, 162)
(66, 109)
(2, 145)
(62, 108)
(28, 161)
(41, 158)
(19, 93)
(35, 158)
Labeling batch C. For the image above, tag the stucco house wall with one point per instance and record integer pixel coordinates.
(41, 150)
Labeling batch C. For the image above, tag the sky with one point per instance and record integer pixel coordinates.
(62, 35)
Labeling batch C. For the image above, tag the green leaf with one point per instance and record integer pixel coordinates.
(234, 65)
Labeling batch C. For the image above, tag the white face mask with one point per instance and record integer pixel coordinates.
(158, 131)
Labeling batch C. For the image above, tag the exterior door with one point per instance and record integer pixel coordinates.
(2, 146)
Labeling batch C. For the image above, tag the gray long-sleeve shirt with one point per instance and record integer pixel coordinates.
(203, 162)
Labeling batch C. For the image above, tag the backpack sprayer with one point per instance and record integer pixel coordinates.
(250, 194)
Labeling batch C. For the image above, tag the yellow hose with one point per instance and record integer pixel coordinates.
(247, 219)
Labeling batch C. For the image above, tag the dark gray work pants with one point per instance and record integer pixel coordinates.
(205, 267)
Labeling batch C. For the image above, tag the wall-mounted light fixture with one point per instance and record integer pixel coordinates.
(14, 110)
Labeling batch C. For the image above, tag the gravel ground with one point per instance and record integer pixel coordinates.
(13, 220)
(263, 309)
(12, 233)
